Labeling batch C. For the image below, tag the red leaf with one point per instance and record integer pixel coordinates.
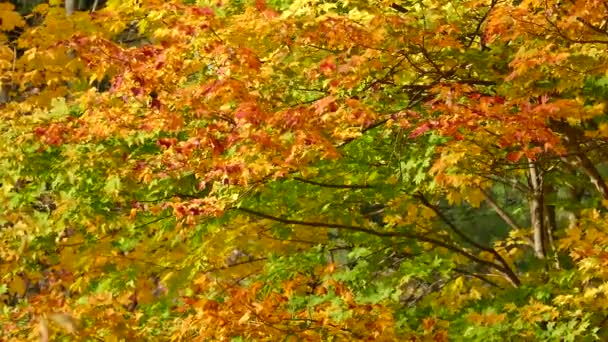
(167, 142)
(40, 131)
(425, 127)
(327, 66)
(202, 11)
(249, 112)
(514, 156)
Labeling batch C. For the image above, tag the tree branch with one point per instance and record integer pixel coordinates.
(503, 214)
(573, 139)
(221, 268)
(336, 186)
(478, 276)
(504, 269)
(510, 275)
(399, 8)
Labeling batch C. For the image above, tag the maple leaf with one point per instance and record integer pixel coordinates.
(9, 19)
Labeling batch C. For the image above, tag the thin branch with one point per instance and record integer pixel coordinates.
(221, 268)
(478, 276)
(314, 90)
(296, 104)
(391, 71)
(335, 186)
(262, 233)
(505, 269)
(399, 8)
(146, 262)
(73, 244)
(573, 139)
(591, 26)
(506, 181)
(426, 55)
(500, 211)
(450, 224)
(322, 48)
(579, 41)
(511, 276)
(477, 31)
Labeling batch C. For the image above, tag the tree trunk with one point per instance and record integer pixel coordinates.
(536, 212)
(70, 7)
(550, 229)
(5, 86)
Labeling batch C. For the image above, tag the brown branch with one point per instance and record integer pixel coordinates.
(573, 139)
(504, 269)
(399, 8)
(591, 26)
(450, 224)
(335, 186)
(506, 181)
(391, 71)
(472, 81)
(504, 265)
(263, 234)
(221, 268)
(579, 41)
(427, 56)
(477, 32)
(582, 161)
(478, 276)
(500, 211)
(415, 66)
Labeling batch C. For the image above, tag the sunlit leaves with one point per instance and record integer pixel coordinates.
(10, 18)
(269, 170)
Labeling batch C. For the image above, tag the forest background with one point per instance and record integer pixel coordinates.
(303, 170)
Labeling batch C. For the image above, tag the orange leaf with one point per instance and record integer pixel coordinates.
(514, 156)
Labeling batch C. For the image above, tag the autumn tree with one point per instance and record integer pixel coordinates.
(264, 170)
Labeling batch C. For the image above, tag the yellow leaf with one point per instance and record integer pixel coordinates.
(17, 285)
(427, 213)
(92, 78)
(9, 19)
(475, 197)
(454, 198)
(474, 294)
(458, 283)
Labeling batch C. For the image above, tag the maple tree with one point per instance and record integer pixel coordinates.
(303, 169)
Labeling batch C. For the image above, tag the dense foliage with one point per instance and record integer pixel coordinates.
(304, 170)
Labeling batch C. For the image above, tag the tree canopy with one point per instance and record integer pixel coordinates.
(289, 170)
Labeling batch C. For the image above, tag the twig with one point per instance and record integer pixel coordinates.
(335, 186)
(505, 269)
